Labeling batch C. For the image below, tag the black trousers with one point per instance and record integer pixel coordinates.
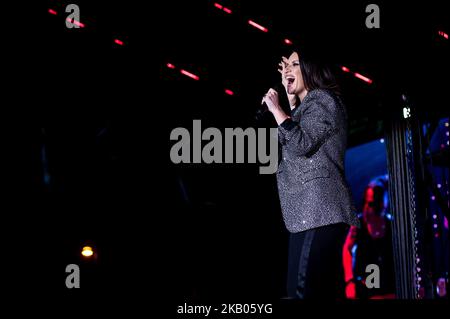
(315, 268)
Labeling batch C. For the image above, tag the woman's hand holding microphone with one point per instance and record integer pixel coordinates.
(272, 100)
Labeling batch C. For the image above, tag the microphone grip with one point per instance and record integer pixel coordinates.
(261, 112)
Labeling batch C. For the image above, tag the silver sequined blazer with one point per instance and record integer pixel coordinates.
(311, 181)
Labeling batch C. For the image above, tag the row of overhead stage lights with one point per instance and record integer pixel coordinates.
(252, 23)
(79, 24)
(287, 42)
(262, 28)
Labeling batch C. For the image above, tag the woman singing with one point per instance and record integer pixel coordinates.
(315, 199)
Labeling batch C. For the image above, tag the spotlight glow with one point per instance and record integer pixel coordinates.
(364, 78)
(87, 251)
(443, 34)
(257, 26)
(189, 74)
(221, 7)
(77, 23)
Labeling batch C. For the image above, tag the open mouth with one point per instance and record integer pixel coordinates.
(290, 80)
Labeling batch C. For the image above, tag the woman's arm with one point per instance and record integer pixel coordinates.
(317, 123)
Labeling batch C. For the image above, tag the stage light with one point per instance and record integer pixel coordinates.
(382, 140)
(227, 10)
(170, 66)
(406, 112)
(439, 185)
(117, 41)
(446, 124)
(362, 77)
(257, 26)
(443, 34)
(434, 216)
(51, 11)
(435, 226)
(189, 74)
(87, 251)
(357, 75)
(229, 92)
(287, 41)
(221, 7)
(433, 198)
(77, 23)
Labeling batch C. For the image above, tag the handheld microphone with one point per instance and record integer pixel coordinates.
(283, 99)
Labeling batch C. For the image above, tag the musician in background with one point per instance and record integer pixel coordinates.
(370, 244)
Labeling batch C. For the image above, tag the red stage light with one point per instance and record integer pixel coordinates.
(77, 23)
(117, 41)
(287, 41)
(442, 33)
(229, 92)
(362, 77)
(258, 26)
(345, 69)
(189, 74)
(221, 7)
(170, 66)
(51, 11)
